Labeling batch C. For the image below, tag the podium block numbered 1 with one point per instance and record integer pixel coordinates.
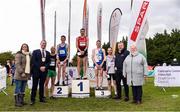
(80, 89)
(61, 91)
(102, 93)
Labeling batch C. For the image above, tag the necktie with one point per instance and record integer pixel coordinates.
(43, 55)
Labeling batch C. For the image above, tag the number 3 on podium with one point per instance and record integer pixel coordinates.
(81, 86)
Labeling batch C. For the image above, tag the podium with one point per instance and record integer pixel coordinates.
(102, 93)
(80, 89)
(61, 91)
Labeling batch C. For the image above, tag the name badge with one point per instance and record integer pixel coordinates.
(62, 52)
(43, 59)
(82, 44)
(52, 63)
(99, 57)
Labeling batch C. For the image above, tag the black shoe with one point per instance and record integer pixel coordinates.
(85, 78)
(78, 78)
(57, 84)
(63, 83)
(116, 97)
(32, 102)
(42, 101)
(126, 99)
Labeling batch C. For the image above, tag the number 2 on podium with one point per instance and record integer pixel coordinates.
(81, 86)
(59, 90)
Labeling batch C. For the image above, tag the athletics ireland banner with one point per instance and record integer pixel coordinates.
(114, 27)
(139, 27)
(99, 21)
(167, 76)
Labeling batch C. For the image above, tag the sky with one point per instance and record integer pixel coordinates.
(20, 21)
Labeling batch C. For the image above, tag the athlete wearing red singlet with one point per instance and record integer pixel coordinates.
(82, 43)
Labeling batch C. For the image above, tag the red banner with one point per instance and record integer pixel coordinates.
(139, 20)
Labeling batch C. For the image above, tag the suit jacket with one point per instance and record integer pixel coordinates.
(37, 61)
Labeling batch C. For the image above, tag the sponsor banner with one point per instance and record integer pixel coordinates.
(139, 25)
(139, 21)
(114, 27)
(167, 76)
(99, 22)
(3, 77)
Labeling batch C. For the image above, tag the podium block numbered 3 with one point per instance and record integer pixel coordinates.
(80, 89)
(61, 91)
(102, 93)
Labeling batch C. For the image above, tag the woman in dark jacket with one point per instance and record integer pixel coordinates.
(22, 74)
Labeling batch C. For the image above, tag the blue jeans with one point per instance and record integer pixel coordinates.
(20, 86)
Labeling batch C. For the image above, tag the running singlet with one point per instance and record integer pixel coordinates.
(52, 65)
(99, 56)
(110, 63)
(62, 51)
(82, 43)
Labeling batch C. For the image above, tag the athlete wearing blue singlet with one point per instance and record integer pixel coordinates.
(98, 57)
(62, 51)
(62, 58)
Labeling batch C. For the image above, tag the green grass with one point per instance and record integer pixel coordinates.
(154, 98)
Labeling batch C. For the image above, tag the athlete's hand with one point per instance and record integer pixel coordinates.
(58, 61)
(82, 52)
(42, 68)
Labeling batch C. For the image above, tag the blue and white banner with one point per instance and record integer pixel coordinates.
(167, 76)
(3, 77)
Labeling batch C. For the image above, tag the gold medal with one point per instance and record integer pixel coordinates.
(43, 59)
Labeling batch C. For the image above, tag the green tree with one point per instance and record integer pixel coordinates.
(4, 56)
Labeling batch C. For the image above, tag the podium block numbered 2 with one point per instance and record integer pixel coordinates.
(80, 89)
(61, 91)
(102, 93)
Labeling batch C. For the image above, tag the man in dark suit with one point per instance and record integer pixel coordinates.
(40, 64)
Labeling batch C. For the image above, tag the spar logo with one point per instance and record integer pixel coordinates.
(139, 20)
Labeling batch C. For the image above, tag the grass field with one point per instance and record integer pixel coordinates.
(154, 99)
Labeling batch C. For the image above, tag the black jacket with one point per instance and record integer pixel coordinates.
(119, 59)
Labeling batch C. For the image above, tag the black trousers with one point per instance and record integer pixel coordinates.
(137, 93)
(119, 78)
(38, 78)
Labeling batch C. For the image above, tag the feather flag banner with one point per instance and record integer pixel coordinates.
(139, 27)
(85, 17)
(99, 21)
(114, 28)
